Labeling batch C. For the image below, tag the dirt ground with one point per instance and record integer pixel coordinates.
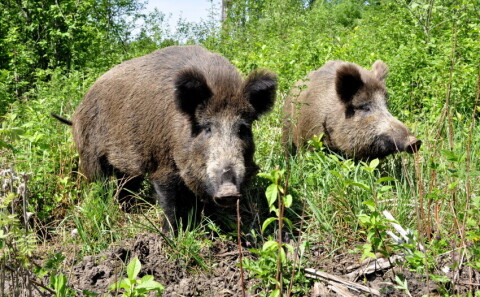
(221, 274)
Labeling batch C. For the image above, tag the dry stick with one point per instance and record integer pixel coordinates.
(468, 189)
(240, 254)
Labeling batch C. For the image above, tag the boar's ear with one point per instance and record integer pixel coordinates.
(191, 90)
(260, 88)
(380, 70)
(348, 82)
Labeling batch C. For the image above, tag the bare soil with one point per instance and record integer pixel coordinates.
(220, 275)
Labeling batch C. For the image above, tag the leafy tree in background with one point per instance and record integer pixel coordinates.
(38, 36)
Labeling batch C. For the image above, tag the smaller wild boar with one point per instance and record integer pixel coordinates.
(348, 104)
(181, 116)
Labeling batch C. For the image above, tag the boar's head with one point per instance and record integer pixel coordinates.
(217, 158)
(366, 129)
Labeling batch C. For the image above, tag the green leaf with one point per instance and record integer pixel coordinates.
(267, 222)
(360, 185)
(271, 193)
(270, 245)
(288, 222)
(374, 163)
(267, 176)
(275, 293)
(289, 247)
(451, 156)
(287, 200)
(133, 268)
(385, 179)
(150, 284)
(123, 284)
(146, 278)
(370, 204)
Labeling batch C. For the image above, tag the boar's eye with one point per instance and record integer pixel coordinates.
(243, 130)
(363, 107)
(207, 129)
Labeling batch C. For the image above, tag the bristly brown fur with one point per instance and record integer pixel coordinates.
(174, 115)
(347, 104)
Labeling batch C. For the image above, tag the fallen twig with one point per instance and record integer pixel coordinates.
(240, 258)
(374, 265)
(310, 272)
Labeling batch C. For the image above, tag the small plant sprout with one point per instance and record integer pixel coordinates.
(134, 287)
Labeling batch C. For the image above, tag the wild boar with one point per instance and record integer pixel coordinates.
(348, 105)
(181, 116)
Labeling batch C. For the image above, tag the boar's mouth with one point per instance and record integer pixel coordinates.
(385, 145)
(227, 195)
(413, 146)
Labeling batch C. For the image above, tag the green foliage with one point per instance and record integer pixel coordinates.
(38, 36)
(98, 218)
(59, 284)
(276, 271)
(134, 287)
(187, 245)
(17, 240)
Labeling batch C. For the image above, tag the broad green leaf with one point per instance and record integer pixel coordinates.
(360, 185)
(150, 285)
(289, 248)
(133, 268)
(146, 278)
(267, 222)
(287, 200)
(385, 189)
(271, 193)
(374, 163)
(275, 293)
(266, 175)
(451, 156)
(288, 222)
(283, 256)
(385, 179)
(370, 204)
(270, 245)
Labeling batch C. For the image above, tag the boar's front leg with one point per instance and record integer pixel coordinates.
(166, 198)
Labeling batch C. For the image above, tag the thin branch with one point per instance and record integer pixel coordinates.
(240, 254)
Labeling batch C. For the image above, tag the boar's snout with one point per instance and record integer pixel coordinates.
(228, 191)
(227, 195)
(413, 145)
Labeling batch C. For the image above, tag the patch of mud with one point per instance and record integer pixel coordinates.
(342, 263)
(220, 274)
(220, 277)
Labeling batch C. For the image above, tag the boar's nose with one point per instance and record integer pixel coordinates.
(413, 145)
(228, 192)
(227, 175)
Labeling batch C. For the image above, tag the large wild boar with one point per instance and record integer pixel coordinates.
(182, 116)
(348, 105)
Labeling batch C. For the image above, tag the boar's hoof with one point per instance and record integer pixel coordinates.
(226, 195)
(413, 146)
